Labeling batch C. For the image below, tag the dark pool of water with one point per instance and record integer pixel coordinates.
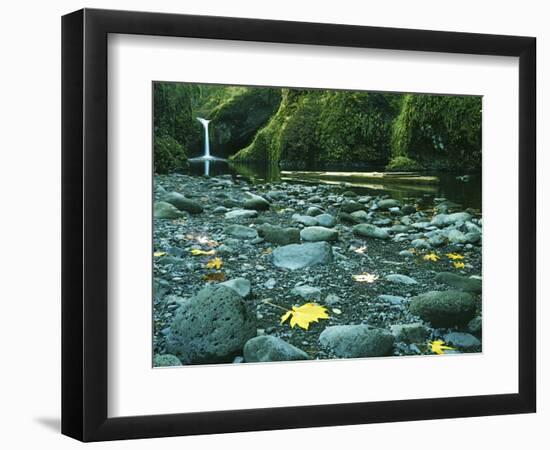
(465, 193)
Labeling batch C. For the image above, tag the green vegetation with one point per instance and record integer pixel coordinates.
(438, 132)
(306, 127)
(175, 128)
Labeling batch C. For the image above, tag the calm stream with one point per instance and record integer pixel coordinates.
(465, 193)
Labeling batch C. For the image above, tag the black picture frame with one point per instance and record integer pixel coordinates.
(84, 224)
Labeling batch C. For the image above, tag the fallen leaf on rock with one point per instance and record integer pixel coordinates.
(159, 254)
(214, 276)
(365, 277)
(431, 257)
(458, 265)
(198, 252)
(454, 256)
(439, 347)
(304, 315)
(215, 263)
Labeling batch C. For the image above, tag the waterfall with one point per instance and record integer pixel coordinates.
(206, 137)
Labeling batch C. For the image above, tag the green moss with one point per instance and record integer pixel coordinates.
(175, 129)
(439, 131)
(169, 154)
(402, 164)
(314, 126)
(238, 118)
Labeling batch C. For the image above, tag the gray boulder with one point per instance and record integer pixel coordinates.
(443, 220)
(459, 282)
(326, 220)
(351, 206)
(238, 214)
(421, 244)
(298, 256)
(305, 220)
(370, 231)
(357, 341)
(183, 203)
(392, 299)
(456, 237)
(279, 235)
(240, 285)
(463, 341)
(211, 327)
(474, 326)
(164, 210)
(316, 234)
(361, 216)
(388, 203)
(411, 333)
(241, 232)
(307, 292)
(166, 361)
(256, 202)
(444, 308)
(436, 240)
(271, 348)
(314, 211)
(402, 279)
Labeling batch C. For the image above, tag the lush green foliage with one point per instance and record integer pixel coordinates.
(169, 154)
(175, 129)
(314, 126)
(307, 127)
(237, 119)
(439, 131)
(402, 164)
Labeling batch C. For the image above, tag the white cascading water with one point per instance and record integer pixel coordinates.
(206, 138)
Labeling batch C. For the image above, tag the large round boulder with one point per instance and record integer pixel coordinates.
(357, 341)
(164, 210)
(212, 327)
(183, 203)
(444, 308)
(370, 231)
(298, 256)
(271, 348)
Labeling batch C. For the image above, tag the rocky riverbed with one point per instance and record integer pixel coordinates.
(231, 257)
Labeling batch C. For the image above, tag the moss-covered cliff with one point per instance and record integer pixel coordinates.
(175, 131)
(237, 119)
(316, 126)
(437, 132)
(305, 128)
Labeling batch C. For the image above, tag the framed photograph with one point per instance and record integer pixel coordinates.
(273, 224)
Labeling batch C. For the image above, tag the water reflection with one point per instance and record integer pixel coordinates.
(466, 193)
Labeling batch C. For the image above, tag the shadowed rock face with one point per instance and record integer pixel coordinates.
(211, 327)
(236, 122)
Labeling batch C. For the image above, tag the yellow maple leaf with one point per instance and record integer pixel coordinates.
(365, 277)
(214, 276)
(215, 263)
(454, 256)
(458, 265)
(304, 315)
(431, 257)
(439, 347)
(159, 254)
(198, 252)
